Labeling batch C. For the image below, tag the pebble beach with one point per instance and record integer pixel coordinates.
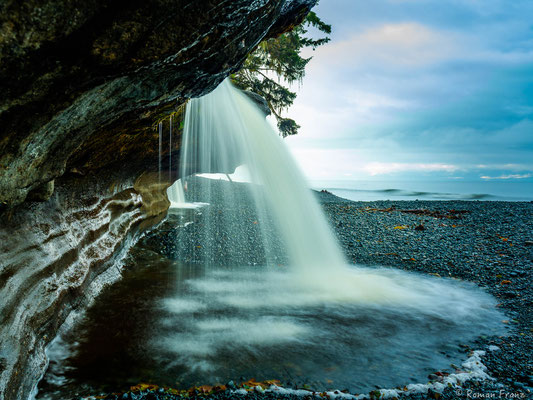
(487, 243)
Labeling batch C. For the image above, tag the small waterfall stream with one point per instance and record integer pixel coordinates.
(170, 146)
(176, 195)
(160, 147)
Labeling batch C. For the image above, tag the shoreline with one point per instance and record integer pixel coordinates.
(440, 190)
(479, 241)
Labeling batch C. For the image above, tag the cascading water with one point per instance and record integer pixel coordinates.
(270, 273)
(170, 146)
(176, 195)
(160, 148)
(225, 130)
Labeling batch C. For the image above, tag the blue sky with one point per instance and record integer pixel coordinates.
(419, 89)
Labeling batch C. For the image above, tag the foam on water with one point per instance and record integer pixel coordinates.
(261, 311)
(187, 324)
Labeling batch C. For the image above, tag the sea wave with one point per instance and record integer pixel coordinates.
(390, 193)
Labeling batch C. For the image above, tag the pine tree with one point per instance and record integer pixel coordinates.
(276, 63)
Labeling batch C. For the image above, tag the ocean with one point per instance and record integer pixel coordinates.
(427, 190)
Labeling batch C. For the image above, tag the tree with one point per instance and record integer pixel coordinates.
(276, 63)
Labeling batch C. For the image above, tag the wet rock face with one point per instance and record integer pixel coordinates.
(55, 256)
(83, 86)
(70, 72)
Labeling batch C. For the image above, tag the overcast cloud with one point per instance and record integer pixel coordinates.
(419, 89)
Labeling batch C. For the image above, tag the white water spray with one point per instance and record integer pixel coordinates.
(176, 195)
(224, 130)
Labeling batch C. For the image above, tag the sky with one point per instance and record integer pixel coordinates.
(419, 90)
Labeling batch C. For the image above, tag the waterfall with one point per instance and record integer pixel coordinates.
(160, 148)
(225, 131)
(262, 213)
(261, 266)
(176, 194)
(254, 284)
(170, 147)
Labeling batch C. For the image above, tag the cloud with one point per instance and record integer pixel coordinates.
(320, 163)
(419, 87)
(364, 101)
(408, 44)
(413, 45)
(377, 168)
(359, 164)
(507, 167)
(511, 176)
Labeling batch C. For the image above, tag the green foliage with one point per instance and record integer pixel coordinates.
(288, 126)
(277, 63)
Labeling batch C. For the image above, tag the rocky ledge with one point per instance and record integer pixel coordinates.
(84, 86)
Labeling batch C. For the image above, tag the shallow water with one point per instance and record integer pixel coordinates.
(180, 325)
